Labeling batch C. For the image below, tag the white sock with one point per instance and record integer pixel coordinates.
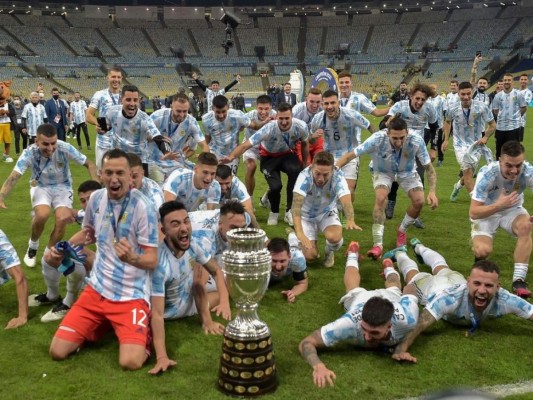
(51, 278)
(74, 282)
(377, 234)
(333, 246)
(458, 185)
(406, 223)
(520, 271)
(293, 240)
(405, 264)
(352, 260)
(33, 245)
(430, 257)
(389, 270)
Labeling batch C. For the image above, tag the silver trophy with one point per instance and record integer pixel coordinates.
(247, 366)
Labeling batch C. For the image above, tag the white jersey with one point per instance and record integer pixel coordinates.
(181, 184)
(528, 96)
(490, 183)
(8, 257)
(53, 171)
(224, 134)
(483, 97)
(101, 101)
(35, 116)
(452, 304)
(341, 135)
(133, 218)
(297, 267)
(416, 121)
(211, 94)
(388, 160)
(468, 124)
(153, 192)
(237, 191)
(348, 327)
(451, 100)
(131, 134)
(301, 112)
(438, 104)
(274, 142)
(320, 200)
(77, 111)
(508, 106)
(358, 102)
(254, 118)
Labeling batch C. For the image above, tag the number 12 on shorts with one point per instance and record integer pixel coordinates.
(138, 317)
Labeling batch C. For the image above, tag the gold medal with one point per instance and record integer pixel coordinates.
(33, 183)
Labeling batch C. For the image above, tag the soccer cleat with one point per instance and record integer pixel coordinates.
(41, 299)
(520, 289)
(288, 218)
(455, 193)
(375, 252)
(391, 254)
(57, 313)
(7, 159)
(414, 242)
(401, 238)
(273, 218)
(353, 247)
(330, 259)
(264, 200)
(389, 211)
(89, 148)
(439, 163)
(30, 257)
(419, 223)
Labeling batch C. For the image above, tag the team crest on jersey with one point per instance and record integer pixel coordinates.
(133, 130)
(124, 217)
(181, 132)
(60, 165)
(516, 187)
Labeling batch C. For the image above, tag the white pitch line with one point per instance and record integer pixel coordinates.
(500, 391)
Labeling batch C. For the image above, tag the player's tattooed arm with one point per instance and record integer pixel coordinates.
(308, 348)
(432, 178)
(425, 320)
(8, 185)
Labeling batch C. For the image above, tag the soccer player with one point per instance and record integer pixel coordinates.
(528, 95)
(288, 259)
(33, 115)
(401, 94)
(447, 295)
(374, 318)
(509, 105)
(50, 185)
(305, 111)
(436, 140)
(10, 268)
(314, 207)
(469, 118)
(231, 187)
(452, 97)
(480, 85)
(77, 116)
(146, 186)
(176, 124)
(100, 102)
(187, 280)
(124, 226)
(497, 201)
(214, 90)
(394, 154)
(277, 140)
(340, 127)
(263, 113)
(196, 187)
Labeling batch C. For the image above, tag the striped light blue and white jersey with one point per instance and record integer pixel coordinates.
(101, 101)
(210, 94)
(224, 134)
(490, 183)
(389, 160)
(468, 124)
(153, 192)
(483, 97)
(348, 327)
(452, 305)
(77, 110)
(173, 277)
(131, 134)
(300, 111)
(320, 200)
(528, 96)
(8, 257)
(53, 171)
(253, 117)
(112, 278)
(181, 184)
(181, 135)
(35, 116)
(438, 104)
(297, 267)
(273, 141)
(343, 134)
(357, 102)
(450, 101)
(416, 121)
(237, 191)
(508, 106)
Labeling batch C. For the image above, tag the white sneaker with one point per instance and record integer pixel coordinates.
(273, 218)
(30, 257)
(330, 259)
(7, 159)
(57, 313)
(264, 200)
(288, 218)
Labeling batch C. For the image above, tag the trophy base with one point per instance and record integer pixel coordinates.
(247, 367)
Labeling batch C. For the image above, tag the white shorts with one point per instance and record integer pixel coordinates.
(406, 184)
(503, 219)
(234, 165)
(54, 197)
(251, 154)
(311, 227)
(351, 169)
(472, 155)
(428, 284)
(160, 174)
(361, 295)
(460, 154)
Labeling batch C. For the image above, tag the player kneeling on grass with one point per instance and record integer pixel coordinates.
(374, 319)
(287, 259)
(314, 207)
(187, 280)
(447, 295)
(10, 268)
